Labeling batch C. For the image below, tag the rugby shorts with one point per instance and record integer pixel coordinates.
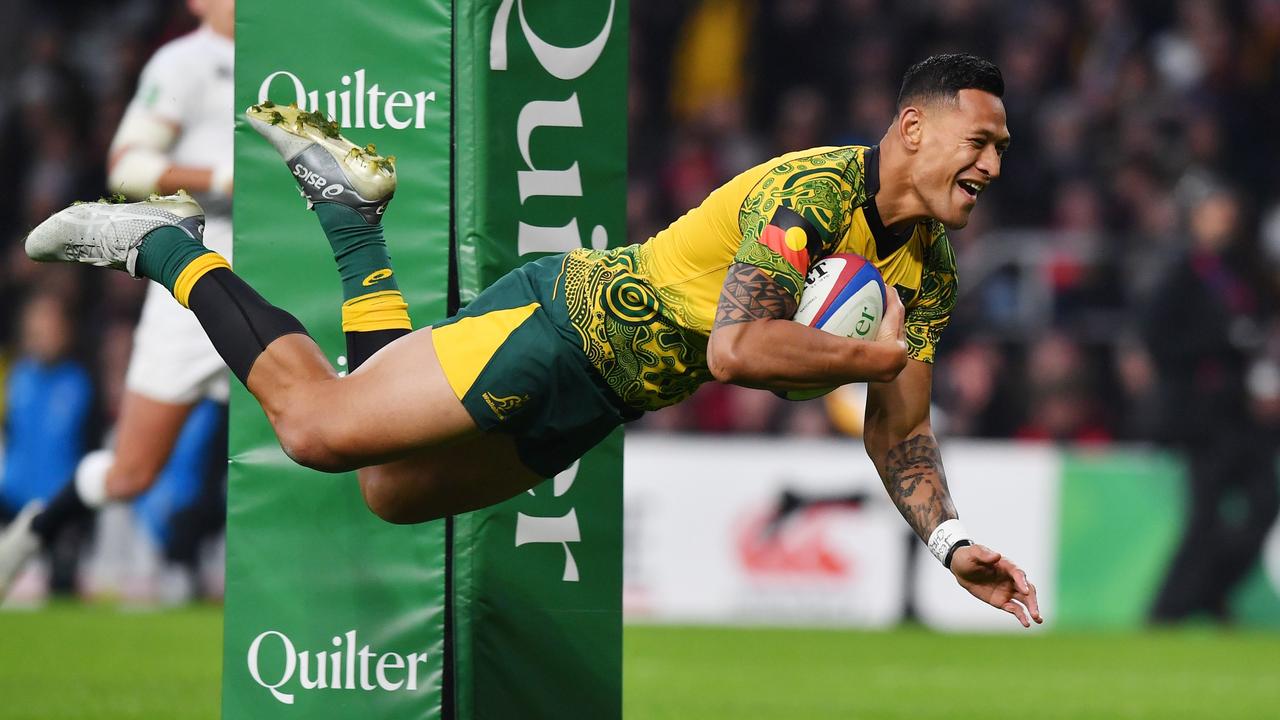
(517, 365)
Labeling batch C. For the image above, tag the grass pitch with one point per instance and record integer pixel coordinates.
(100, 663)
(913, 673)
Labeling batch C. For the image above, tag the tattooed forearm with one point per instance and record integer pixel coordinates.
(914, 477)
(749, 294)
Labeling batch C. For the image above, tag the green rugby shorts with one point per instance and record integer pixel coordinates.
(516, 363)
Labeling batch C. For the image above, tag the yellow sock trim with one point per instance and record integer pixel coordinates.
(195, 270)
(384, 310)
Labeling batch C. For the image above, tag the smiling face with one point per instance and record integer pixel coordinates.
(959, 143)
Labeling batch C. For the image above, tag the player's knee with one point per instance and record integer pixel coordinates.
(310, 453)
(385, 498)
(305, 442)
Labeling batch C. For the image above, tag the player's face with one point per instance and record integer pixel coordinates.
(961, 145)
(218, 14)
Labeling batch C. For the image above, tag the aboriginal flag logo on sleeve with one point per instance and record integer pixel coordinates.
(792, 237)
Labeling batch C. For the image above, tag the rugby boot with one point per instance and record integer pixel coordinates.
(18, 544)
(327, 166)
(107, 233)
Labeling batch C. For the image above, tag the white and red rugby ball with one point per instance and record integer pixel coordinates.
(844, 295)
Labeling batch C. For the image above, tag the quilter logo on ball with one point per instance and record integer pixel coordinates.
(276, 663)
(361, 103)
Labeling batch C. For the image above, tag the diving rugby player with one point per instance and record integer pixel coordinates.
(547, 361)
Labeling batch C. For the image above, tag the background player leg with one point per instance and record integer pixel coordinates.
(145, 435)
(206, 516)
(147, 432)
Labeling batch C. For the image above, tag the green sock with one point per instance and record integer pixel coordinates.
(165, 252)
(358, 248)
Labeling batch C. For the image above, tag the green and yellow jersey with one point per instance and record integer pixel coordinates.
(643, 312)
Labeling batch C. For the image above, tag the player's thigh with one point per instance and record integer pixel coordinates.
(472, 473)
(145, 435)
(397, 402)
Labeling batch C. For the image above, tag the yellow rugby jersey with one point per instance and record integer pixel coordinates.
(643, 312)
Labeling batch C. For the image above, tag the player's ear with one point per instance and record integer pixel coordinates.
(910, 127)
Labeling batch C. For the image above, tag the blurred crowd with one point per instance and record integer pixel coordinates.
(74, 66)
(1119, 282)
(1144, 146)
(66, 331)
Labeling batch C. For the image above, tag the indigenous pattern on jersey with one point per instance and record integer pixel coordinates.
(643, 312)
(648, 359)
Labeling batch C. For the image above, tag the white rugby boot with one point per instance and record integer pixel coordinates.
(107, 233)
(18, 544)
(327, 166)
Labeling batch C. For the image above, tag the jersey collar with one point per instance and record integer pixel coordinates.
(887, 242)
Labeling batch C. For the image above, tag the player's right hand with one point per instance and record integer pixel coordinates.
(995, 580)
(891, 325)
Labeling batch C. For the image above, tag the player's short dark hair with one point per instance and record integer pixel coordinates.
(942, 76)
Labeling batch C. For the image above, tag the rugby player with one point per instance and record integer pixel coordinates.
(176, 133)
(547, 361)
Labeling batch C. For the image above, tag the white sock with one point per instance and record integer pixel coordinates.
(91, 477)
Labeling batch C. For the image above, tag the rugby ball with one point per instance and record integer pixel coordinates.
(843, 295)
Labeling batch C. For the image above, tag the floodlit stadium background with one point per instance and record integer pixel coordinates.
(1141, 131)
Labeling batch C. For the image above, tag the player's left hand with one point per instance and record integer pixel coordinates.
(995, 580)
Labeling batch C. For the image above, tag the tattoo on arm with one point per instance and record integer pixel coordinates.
(916, 482)
(749, 294)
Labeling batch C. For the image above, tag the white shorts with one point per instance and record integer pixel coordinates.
(173, 360)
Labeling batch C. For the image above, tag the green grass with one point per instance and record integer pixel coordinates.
(100, 663)
(711, 674)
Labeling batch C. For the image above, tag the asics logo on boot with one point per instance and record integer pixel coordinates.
(307, 177)
(332, 191)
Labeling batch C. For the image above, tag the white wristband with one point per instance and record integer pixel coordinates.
(945, 537)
